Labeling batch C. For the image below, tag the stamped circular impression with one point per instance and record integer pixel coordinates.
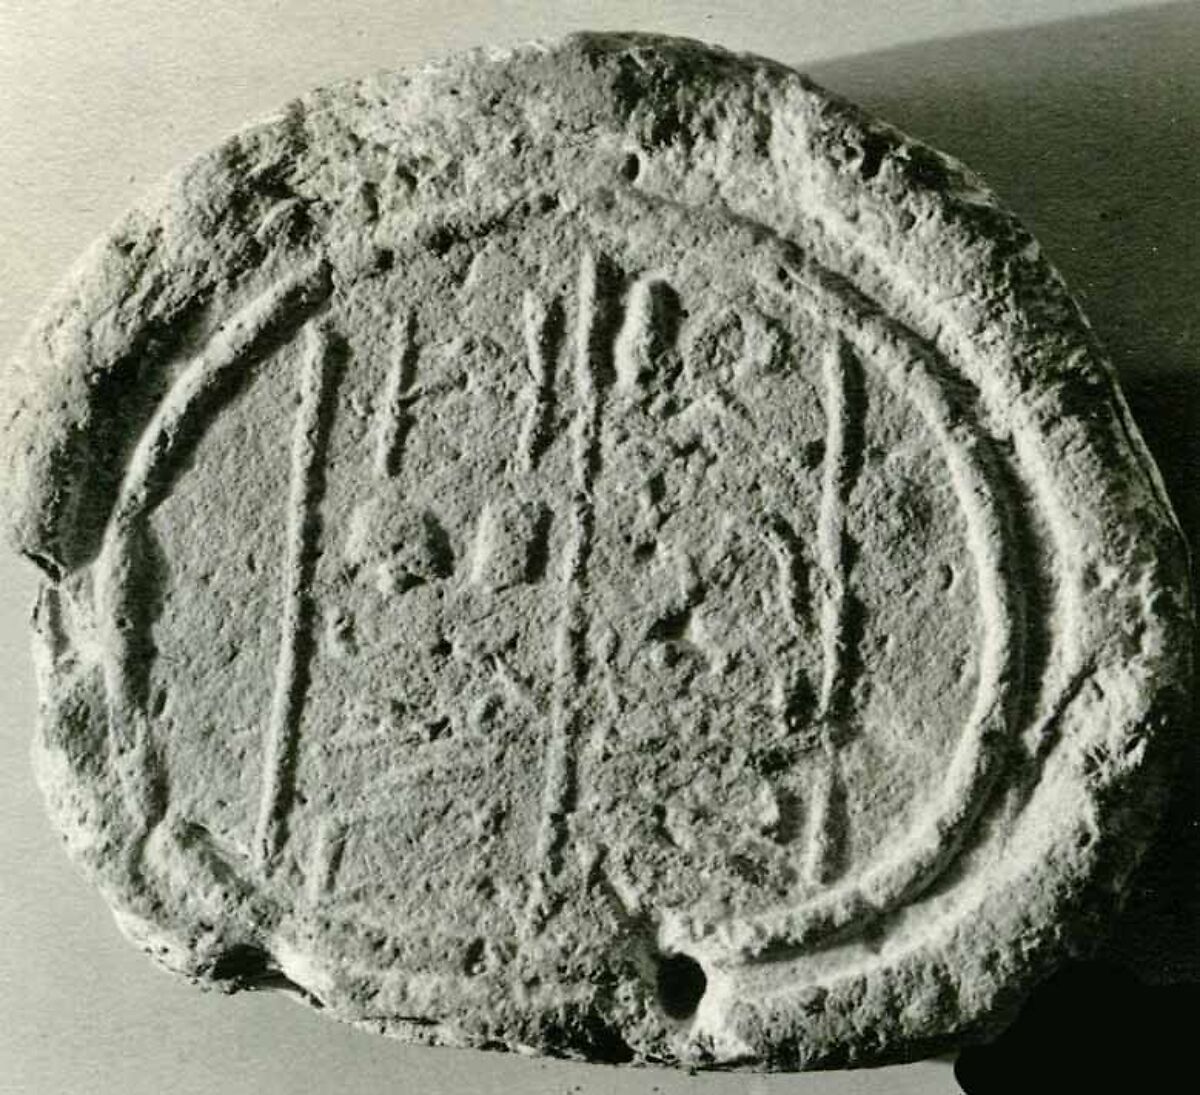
(597, 549)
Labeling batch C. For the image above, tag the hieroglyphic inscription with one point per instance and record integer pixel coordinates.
(326, 858)
(394, 418)
(904, 364)
(789, 561)
(544, 329)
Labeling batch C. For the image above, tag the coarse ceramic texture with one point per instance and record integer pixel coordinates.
(595, 549)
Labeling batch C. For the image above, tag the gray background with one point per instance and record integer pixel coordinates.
(1083, 114)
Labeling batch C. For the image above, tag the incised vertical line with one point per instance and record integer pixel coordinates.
(844, 398)
(597, 322)
(310, 436)
(128, 549)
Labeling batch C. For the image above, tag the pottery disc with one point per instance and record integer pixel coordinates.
(599, 548)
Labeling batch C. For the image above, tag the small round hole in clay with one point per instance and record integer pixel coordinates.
(681, 985)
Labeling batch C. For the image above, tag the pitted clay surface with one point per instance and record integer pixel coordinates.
(598, 549)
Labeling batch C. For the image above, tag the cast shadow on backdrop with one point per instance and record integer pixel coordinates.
(1090, 130)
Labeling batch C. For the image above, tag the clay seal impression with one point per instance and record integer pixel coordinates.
(597, 549)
